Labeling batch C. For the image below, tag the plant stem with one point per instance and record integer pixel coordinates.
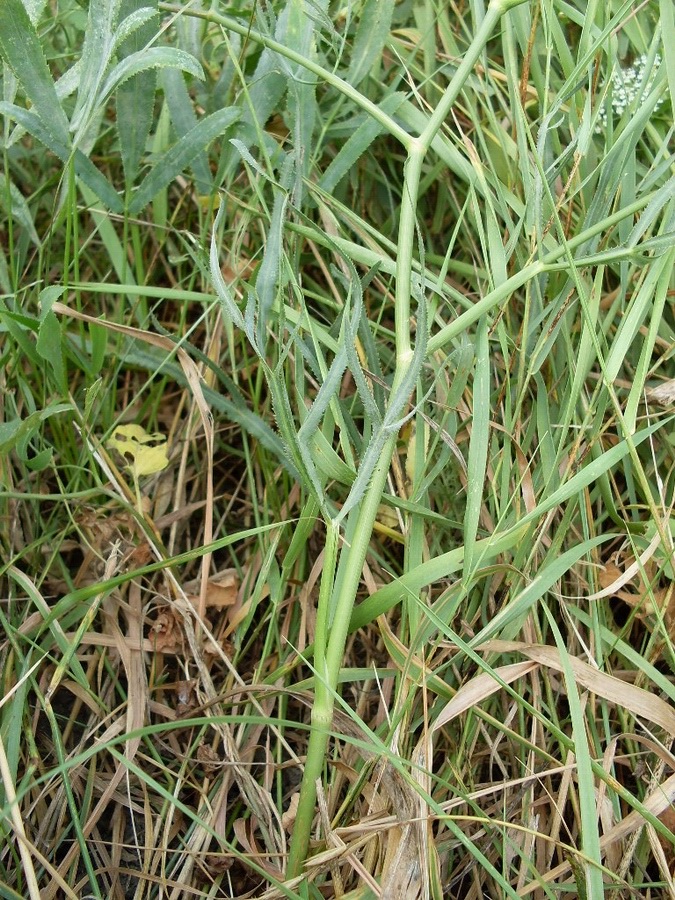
(342, 594)
(329, 658)
(324, 74)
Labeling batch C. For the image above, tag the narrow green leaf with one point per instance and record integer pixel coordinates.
(134, 14)
(447, 563)
(11, 433)
(178, 157)
(265, 91)
(658, 302)
(410, 584)
(109, 236)
(640, 306)
(301, 93)
(369, 460)
(329, 389)
(84, 168)
(229, 309)
(478, 445)
(268, 280)
(371, 36)
(509, 620)
(5, 282)
(590, 834)
(135, 98)
(328, 462)
(97, 53)
(21, 49)
(668, 44)
(297, 453)
(356, 145)
(12, 715)
(152, 58)
(17, 207)
(50, 348)
(183, 120)
(353, 320)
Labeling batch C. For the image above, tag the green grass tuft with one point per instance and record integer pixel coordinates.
(392, 284)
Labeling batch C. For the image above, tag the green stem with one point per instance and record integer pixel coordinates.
(331, 659)
(324, 74)
(341, 594)
(338, 593)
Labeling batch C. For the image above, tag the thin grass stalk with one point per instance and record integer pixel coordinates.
(19, 830)
(366, 512)
(338, 597)
(73, 808)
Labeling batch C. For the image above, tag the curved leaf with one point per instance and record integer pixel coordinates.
(183, 120)
(21, 49)
(135, 98)
(371, 37)
(84, 168)
(130, 24)
(153, 58)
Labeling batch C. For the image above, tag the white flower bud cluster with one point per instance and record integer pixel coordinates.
(627, 84)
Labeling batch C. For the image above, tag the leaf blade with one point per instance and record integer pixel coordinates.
(21, 49)
(174, 161)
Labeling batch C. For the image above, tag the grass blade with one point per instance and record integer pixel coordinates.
(478, 445)
(371, 36)
(183, 119)
(357, 143)
(21, 50)
(84, 168)
(174, 161)
(135, 98)
(590, 835)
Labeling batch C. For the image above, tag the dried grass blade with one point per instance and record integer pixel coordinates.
(481, 687)
(630, 573)
(17, 821)
(658, 801)
(641, 703)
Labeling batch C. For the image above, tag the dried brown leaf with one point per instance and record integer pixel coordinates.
(623, 578)
(646, 603)
(639, 702)
(656, 803)
(221, 590)
(166, 633)
(288, 817)
(475, 691)
(663, 394)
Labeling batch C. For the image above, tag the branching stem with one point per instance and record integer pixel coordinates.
(342, 603)
(338, 591)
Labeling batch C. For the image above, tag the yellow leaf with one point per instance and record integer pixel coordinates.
(147, 452)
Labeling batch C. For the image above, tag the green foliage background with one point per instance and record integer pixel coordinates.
(395, 279)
